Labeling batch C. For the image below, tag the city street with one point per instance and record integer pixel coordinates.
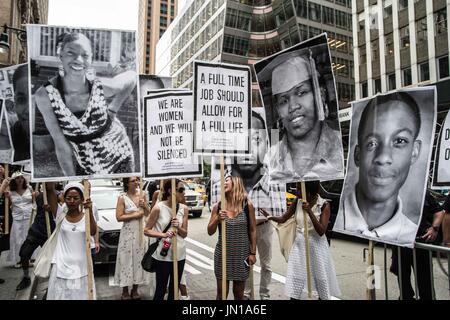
(348, 258)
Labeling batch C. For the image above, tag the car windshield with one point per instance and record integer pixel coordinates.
(190, 185)
(105, 198)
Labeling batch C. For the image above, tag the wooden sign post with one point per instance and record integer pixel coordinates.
(87, 218)
(33, 210)
(47, 218)
(306, 233)
(141, 221)
(223, 200)
(174, 241)
(370, 292)
(6, 203)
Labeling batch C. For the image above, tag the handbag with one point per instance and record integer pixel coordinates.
(286, 235)
(43, 262)
(148, 263)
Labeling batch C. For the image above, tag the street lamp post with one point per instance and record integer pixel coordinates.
(4, 37)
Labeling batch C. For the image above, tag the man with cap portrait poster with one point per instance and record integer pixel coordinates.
(299, 95)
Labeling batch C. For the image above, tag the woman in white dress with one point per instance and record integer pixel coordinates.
(324, 279)
(21, 200)
(131, 208)
(69, 274)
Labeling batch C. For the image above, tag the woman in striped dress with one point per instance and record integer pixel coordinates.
(239, 217)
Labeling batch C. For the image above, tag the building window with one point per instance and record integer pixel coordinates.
(424, 72)
(407, 77)
(391, 81)
(302, 8)
(402, 4)
(362, 54)
(440, 18)
(404, 37)
(421, 29)
(375, 50)
(443, 67)
(364, 91)
(377, 85)
(387, 9)
(328, 15)
(389, 41)
(314, 11)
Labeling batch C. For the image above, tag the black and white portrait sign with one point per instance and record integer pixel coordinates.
(14, 90)
(299, 96)
(222, 103)
(6, 145)
(168, 126)
(86, 105)
(391, 140)
(441, 175)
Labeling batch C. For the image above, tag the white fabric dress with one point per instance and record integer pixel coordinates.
(129, 251)
(68, 276)
(323, 274)
(21, 208)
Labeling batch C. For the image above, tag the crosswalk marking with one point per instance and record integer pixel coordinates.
(275, 276)
(191, 269)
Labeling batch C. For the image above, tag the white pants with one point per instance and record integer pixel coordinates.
(264, 233)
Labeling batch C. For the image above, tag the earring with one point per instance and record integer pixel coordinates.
(90, 74)
(61, 71)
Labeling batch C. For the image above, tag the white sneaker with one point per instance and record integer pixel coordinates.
(185, 297)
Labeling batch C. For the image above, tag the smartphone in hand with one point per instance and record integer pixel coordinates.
(247, 263)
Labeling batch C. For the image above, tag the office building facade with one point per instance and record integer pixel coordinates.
(243, 32)
(154, 18)
(15, 14)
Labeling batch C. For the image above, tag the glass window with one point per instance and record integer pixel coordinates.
(258, 23)
(362, 54)
(407, 77)
(443, 67)
(328, 15)
(424, 72)
(404, 37)
(402, 4)
(440, 18)
(389, 41)
(421, 29)
(314, 11)
(375, 49)
(302, 8)
(377, 85)
(364, 90)
(391, 81)
(303, 32)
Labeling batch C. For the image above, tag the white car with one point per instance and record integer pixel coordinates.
(105, 199)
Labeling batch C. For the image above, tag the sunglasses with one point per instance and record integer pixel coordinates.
(181, 190)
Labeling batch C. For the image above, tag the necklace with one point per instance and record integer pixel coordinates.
(74, 228)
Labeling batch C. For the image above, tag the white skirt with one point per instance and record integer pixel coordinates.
(67, 289)
(323, 274)
(19, 232)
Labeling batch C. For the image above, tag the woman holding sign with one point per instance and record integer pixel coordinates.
(322, 267)
(80, 111)
(161, 225)
(131, 207)
(239, 216)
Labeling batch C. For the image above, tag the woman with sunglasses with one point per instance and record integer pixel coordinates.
(157, 227)
(131, 207)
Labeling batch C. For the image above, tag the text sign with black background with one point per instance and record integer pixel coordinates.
(222, 108)
(168, 123)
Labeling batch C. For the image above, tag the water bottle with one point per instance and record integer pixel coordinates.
(165, 248)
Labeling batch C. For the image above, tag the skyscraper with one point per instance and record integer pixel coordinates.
(154, 18)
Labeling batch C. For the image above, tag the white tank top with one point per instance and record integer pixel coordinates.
(165, 216)
(70, 253)
(316, 209)
(22, 205)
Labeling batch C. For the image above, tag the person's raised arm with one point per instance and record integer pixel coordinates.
(62, 147)
(119, 88)
(319, 225)
(282, 219)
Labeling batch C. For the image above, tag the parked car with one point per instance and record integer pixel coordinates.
(105, 199)
(194, 199)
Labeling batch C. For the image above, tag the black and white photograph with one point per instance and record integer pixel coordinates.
(168, 138)
(152, 83)
(222, 105)
(441, 173)
(6, 146)
(263, 193)
(391, 140)
(18, 110)
(86, 105)
(299, 96)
